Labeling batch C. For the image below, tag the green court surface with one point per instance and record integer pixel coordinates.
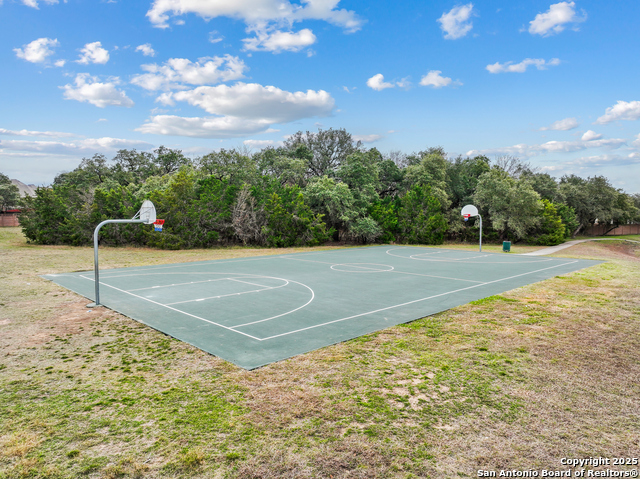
(255, 311)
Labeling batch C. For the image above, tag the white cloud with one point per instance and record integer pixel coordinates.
(60, 63)
(93, 53)
(554, 20)
(254, 101)
(605, 160)
(278, 41)
(590, 135)
(242, 109)
(87, 145)
(220, 127)
(562, 125)
(377, 82)
(636, 142)
(34, 3)
(146, 50)
(367, 138)
(255, 12)
(52, 134)
(404, 83)
(455, 23)
(526, 151)
(215, 37)
(436, 80)
(261, 143)
(521, 67)
(622, 110)
(89, 89)
(177, 72)
(38, 50)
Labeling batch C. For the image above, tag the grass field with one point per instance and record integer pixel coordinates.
(515, 381)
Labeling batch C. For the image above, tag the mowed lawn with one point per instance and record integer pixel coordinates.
(515, 381)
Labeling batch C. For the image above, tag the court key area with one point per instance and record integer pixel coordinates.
(254, 311)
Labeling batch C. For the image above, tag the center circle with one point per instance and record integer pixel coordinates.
(361, 267)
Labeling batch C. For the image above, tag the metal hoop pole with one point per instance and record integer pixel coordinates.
(96, 269)
(480, 232)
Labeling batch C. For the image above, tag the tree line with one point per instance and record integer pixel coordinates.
(318, 187)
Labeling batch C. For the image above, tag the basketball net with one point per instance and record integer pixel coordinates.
(157, 225)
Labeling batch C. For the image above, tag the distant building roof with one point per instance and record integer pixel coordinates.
(25, 190)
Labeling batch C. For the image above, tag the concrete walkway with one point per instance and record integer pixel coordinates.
(568, 244)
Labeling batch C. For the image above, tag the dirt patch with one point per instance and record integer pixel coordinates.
(622, 250)
(72, 318)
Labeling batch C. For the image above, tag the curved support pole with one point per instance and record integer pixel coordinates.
(95, 257)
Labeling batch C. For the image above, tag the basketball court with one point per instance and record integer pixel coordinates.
(255, 311)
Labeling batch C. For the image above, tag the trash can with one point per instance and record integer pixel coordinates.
(506, 246)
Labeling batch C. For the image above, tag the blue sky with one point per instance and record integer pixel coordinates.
(555, 84)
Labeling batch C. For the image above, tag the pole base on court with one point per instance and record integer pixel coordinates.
(93, 305)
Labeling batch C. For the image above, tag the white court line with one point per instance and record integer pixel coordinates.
(256, 284)
(430, 254)
(365, 269)
(264, 288)
(395, 271)
(448, 259)
(174, 309)
(440, 277)
(224, 295)
(192, 273)
(313, 295)
(454, 260)
(414, 301)
(175, 284)
(309, 260)
(375, 270)
(195, 263)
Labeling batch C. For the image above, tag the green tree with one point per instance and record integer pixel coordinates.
(168, 161)
(390, 177)
(290, 222)
(420, 220)
(385, 214)
(177, 205)
(230, 165)
(279, 163)
(550, 231)
(90, 173)
(431, 171)
(513, 206)
(545, 185)
(595, 200)
(334, 200)
(569, 218)
(326, 150)
(45, 218)
(462, 178)
(9, 193)
(131, 166)
(360, 172)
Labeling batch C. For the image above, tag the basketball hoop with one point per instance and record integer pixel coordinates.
(147, 213)
(467, 212)
(157, 225)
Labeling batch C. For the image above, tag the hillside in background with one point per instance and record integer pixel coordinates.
(25, 190)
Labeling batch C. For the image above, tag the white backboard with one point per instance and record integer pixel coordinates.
(148, 212)
(469, 210)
